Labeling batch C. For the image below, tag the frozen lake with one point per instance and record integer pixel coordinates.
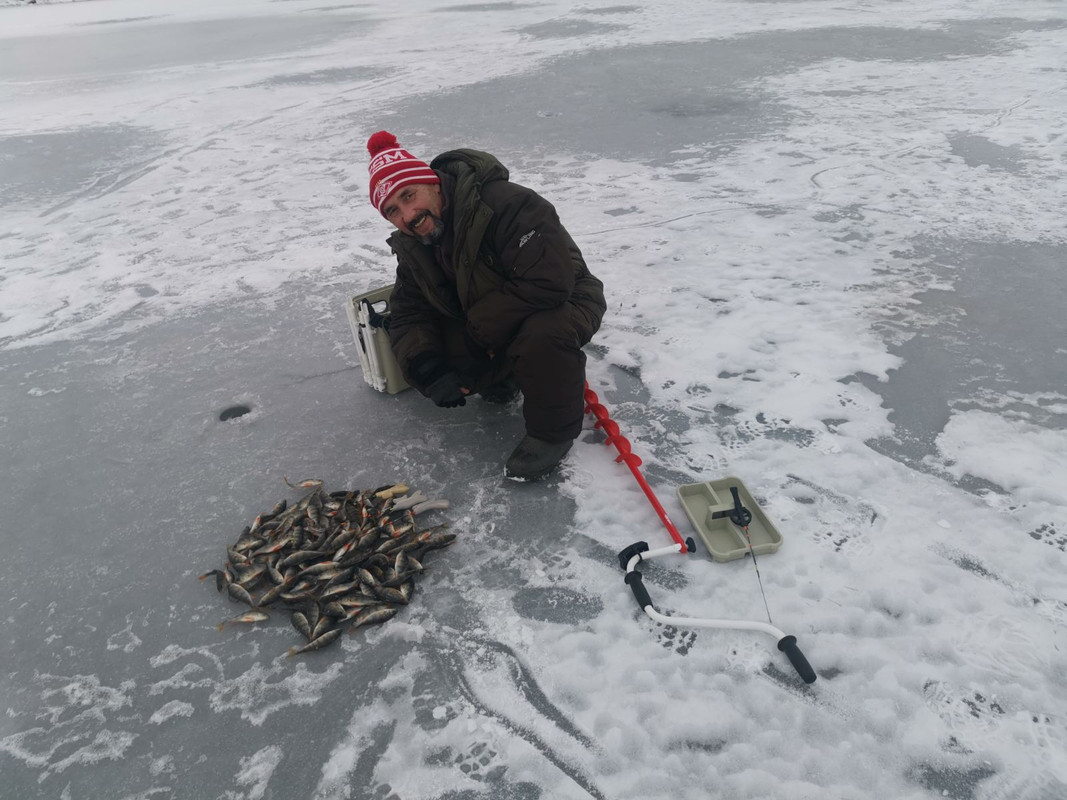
(832, 244)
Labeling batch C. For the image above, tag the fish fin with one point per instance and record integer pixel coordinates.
(221, 626)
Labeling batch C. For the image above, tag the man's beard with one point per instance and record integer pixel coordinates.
(435, 235)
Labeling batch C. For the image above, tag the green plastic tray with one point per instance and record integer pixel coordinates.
(708, 505)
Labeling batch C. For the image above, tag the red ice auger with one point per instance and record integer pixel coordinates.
(639, 551)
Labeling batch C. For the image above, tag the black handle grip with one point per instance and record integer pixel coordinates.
(788, 645)
(637, 586)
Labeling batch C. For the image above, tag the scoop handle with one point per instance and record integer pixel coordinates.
(788, 645)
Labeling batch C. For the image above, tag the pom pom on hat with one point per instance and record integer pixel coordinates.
(392, 167)
(382, 140)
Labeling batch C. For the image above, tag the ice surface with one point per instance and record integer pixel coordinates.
(831, 238)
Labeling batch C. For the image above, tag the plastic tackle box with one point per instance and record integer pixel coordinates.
(368, 315)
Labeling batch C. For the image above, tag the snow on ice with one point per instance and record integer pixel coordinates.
(832, 242)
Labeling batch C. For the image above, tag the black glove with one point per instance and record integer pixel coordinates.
(445, 391)
(479, 354)
(441, 382)
(427, 367)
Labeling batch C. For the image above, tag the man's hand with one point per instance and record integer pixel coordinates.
(447, 392)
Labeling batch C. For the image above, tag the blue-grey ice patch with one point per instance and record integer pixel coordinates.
(106, 50)
(39, 169)
(556, 604)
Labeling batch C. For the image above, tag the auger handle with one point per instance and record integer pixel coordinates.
(637, 586)
(788, 645)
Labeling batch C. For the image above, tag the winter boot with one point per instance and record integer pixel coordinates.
(534, 458)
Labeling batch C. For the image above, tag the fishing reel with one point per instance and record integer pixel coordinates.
(738, 515)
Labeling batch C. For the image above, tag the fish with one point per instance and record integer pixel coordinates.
(342, 576)
(255, 615)
(377, 562)
(323, 624)
(395, 531)
(297, 598)
(439, 540)
(390, 595)
(299, 557)
(270, 548)
(373, 617)
(312, 614)
(276, 576)
(240, 593)
(397, 578)
(339, 590)
(254, 527)
(329, 568)
(330, 558)
(300, 622)
(222, 578)
(311, 483)
(250, 576)
(272, 594)
(342, 551)
(335, 610)
(317, 643)
(246, 543)
(359, 601)
(343, 537)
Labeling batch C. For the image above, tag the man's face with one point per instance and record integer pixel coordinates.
(415, 209)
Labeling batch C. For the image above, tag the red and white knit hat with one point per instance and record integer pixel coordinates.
(392, 167)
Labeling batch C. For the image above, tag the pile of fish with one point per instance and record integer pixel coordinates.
(347, 558)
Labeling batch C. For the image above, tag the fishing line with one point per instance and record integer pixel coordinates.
(766, 607)
(741, 517)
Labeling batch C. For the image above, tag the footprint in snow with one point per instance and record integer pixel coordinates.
(481, 762)
(973, 717)
(739, 435)
(843, 524)
(1048, 534)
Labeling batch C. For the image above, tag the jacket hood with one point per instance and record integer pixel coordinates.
(464, 163)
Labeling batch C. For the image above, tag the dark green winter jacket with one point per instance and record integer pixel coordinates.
(508, 256)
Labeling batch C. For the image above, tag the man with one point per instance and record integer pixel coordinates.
(491, 294)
